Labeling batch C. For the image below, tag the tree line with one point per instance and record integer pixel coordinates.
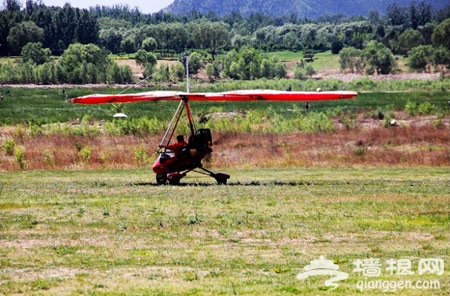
(57, 44)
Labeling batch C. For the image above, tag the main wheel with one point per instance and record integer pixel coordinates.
(161, 179)
(174, 181)
(221, 178)
(221, 181)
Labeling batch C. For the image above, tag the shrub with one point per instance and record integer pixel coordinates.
(9, 146)
(85, 154)
(49, 158)
(315, 122)
(411, 108)
(20, 158)
(140, 156)
(426, 108)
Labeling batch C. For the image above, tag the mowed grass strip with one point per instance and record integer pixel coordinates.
(117, 233)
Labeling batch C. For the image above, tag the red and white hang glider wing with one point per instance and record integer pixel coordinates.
(238, 95)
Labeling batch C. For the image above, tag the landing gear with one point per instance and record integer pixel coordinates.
(161, 179)
(172, 167)
(221, 178)
(174, 178)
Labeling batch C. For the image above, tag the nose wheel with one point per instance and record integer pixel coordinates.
(161, 179)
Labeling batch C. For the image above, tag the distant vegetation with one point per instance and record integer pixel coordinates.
(291, 9)
(71, 45)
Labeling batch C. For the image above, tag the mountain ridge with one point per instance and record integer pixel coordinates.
(300, 8)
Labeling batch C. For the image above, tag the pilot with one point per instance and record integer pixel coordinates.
(178, 146)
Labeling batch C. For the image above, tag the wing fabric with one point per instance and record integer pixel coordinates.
(239, 95)
(127, 98)
(273, 95)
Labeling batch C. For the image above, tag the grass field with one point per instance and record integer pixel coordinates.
(116, 233)
(48, 105)
(68, 231)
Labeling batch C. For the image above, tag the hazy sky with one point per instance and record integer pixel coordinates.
(145, 6)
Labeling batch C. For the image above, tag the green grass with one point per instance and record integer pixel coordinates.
(286, 55)
(325, 61)
(43, 106)
(116, 233)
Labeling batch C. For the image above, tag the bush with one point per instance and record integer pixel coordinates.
(9, 146)
(20, 158)
(85, 154)
(140, 157)
(411, 108)
(426, 108)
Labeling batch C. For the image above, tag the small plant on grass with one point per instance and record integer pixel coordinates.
(49, 158)
(387, 122)
(85, 154)
(140, 156)
(20, 158)
(426, 108)
(411, 108)
(106, 212)
(104, 158)
(9, 146)
(360, 151)
(315, 122)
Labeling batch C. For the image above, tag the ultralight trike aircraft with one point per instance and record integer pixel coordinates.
(171, 166)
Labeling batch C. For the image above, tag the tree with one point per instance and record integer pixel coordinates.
(441, 59)
(23, 33)
(111, 40)
(211, 36)
(64, 28)
(149, 44)
(290, 40)
(250, 63)
(169, 36)
(420, 57)
(419, 14)
(280, 70)
(441, 34)
(213, 70)
(336, 46)
(147, 60)
(409, 39)
(87, 27)
(43, 17)
(178, 71)
(119, 74)
(195, 63)
(35, 53)
(351, 59)
(9, 17)
(162, 74)
(396, 15)
(267, 68)
(83, 63)
(310, 70)
(379, 58)
(128, 44)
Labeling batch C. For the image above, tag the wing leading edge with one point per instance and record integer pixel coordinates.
(239, 95)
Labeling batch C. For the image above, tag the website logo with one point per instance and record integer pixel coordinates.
(371, 273)
(323, 267)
